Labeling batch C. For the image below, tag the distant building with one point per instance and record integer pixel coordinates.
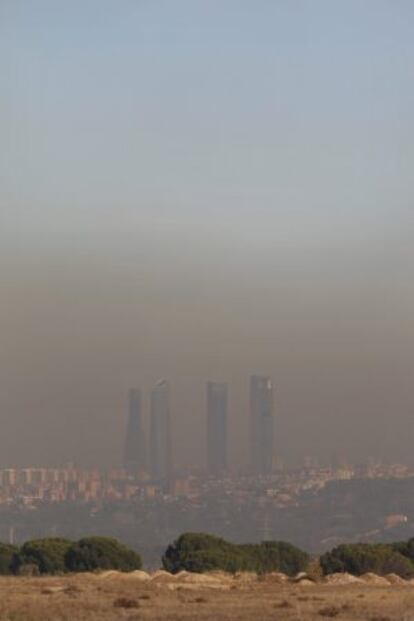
(160, 449)
(261, 424)
(135, 456)
(216, 427)
(179, 487)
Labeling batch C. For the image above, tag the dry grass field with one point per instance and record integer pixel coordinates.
(112, 596)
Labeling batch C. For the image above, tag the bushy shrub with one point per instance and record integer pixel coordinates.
(275, 556)
(200, 552)
(28, 570)
(48, 555)
(406, 548)
(93, 553)
(360, 558)
(7, 553)
(398, 564)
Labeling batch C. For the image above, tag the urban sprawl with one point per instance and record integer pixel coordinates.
(147, 502)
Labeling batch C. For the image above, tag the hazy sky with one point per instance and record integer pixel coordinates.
(203, 190)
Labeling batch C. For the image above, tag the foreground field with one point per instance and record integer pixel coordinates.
(111, 596)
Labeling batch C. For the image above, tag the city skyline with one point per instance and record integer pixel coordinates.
(215, 438)
(206, 308)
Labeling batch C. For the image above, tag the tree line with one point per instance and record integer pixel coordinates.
(56, 555)
(378, 558)
(201, 552)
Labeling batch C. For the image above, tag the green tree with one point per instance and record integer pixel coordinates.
(200, 552)
(275, 556)
(7, 553)
(48, 555)
(406, 548)
(360, 558)
(93, 553)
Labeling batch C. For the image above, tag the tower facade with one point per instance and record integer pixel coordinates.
(135, 455)
(261, 424)
(160, 453)
(216, 427)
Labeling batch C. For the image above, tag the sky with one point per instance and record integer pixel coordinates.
(201, 191)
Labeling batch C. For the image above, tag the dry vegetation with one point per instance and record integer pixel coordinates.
(111, 596)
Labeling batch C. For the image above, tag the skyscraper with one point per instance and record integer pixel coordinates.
(261, 424)
(160, 453)
(135, 456)
(216, 427)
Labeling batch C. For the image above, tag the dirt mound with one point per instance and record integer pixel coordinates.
(220, 575)
(306, 582)
(342, 578)
(163, 576)
(274, 577)
(193, 578)
(110, 573)
(182, 573)
(370, 578)
(301, 577)
(138, 574)
(193, 581)
(395, 579)
(245, 576)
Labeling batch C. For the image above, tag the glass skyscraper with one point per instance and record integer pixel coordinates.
(261, 424)
(135, 455)
(216, 427)
(160, 453)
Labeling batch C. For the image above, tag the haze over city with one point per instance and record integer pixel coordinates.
(202, 191)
